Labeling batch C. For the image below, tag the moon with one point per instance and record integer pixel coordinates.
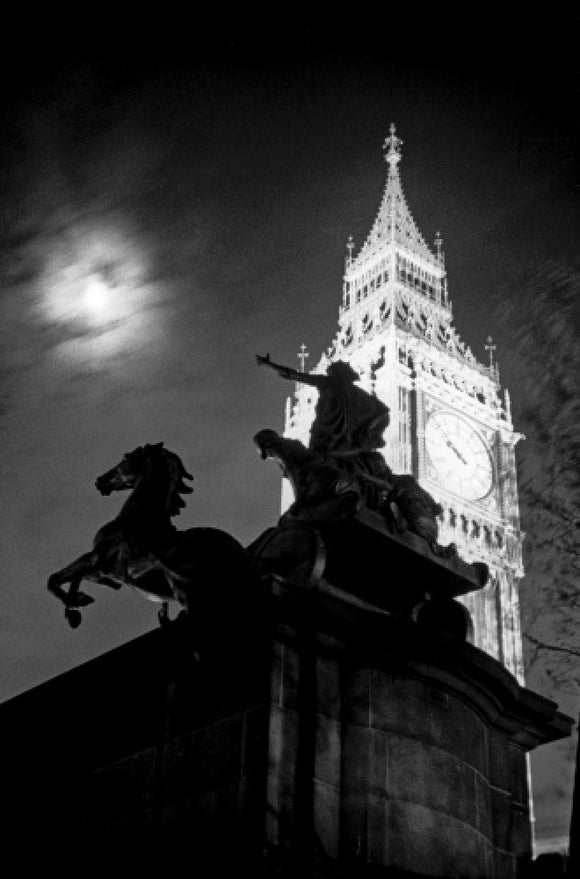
(97, 299)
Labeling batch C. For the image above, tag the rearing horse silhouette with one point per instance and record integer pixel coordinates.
(141, 547)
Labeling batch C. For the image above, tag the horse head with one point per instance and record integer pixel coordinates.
(292, 456)
(151, 461)
(321, 489)
(125, 474)
(271, 445)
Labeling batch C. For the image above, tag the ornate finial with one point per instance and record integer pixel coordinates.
(302, 355)
(349, 247)
(439, 245)
(393, 145)
(491, 348)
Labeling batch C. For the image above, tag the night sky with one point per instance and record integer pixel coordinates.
(177, 197)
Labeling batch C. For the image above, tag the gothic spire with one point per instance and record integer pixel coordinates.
(394, 221)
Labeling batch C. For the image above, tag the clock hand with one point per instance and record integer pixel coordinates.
(450, 445)
(457, 452)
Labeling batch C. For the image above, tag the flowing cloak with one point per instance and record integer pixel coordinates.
(346, 418)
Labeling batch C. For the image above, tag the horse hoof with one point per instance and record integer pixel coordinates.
(73, 618)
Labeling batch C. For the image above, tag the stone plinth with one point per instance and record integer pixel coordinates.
(396, 749)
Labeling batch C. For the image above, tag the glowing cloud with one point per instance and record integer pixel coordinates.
(95, 286)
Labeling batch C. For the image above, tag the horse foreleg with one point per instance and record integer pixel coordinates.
(74, 573)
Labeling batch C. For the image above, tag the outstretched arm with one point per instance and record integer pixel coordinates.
(291, 374)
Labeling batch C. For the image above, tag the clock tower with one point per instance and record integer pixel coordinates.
(450, 425)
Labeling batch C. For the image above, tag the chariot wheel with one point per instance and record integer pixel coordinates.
(294, 551)
(445, 615)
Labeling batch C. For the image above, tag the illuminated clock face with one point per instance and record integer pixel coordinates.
(459, 456)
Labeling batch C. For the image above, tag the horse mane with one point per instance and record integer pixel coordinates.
(177, 474)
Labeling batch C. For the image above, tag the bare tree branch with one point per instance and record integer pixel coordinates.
(542, 645)
(540, 316)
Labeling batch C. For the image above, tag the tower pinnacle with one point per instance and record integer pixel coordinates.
(439, 245)
(349, 247)
(491, 348)
(392, 145)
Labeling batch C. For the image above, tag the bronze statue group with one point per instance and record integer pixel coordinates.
(337, 474)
